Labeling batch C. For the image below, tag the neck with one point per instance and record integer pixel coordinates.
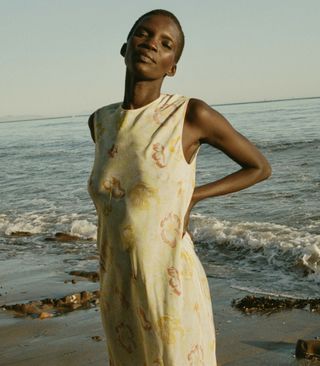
(140, 92)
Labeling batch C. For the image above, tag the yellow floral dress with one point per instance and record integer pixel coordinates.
(155, 300)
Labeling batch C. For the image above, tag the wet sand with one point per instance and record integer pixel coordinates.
(77, 338)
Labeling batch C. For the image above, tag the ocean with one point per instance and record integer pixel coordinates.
(265, 239)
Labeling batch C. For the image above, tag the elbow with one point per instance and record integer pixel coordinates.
(269, 171)
(265, 171)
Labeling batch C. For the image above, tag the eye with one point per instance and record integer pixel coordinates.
(167, 45)
(140, 33)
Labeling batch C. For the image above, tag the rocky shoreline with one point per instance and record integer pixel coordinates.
(268, 304)
(52, 307)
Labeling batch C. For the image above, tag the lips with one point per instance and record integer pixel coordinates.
(144, 57)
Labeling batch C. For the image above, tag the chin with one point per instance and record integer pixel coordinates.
(143, 73)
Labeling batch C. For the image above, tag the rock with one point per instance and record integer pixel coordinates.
(86, 296)
(29, 309)
(93, 257)
(73, 299)
(267, 304)
(59, 306)
(48, 301)
(45, 315)
(309, 349)
(21, 233)
(93, 276)
(63, 237)
(96, 293)
(74, 306)
(96, 338)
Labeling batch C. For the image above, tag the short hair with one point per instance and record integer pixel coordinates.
(168, 14)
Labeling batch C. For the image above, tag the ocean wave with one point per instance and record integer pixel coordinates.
(46, 224)
(29, 222)
(276, 246)
(84, 229)
(253, 244)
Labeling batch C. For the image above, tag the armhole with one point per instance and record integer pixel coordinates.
(194, 156)
(183, 117)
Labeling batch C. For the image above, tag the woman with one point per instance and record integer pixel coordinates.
(155, 300)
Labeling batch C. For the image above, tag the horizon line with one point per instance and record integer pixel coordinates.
(267, 101)
(220, 104)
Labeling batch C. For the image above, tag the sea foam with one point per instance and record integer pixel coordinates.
(279, 246)
(84, 229)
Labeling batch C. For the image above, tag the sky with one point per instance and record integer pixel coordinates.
(61, 57)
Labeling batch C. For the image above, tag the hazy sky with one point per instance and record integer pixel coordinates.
(62, 56)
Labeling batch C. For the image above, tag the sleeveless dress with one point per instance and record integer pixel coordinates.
(155, 299)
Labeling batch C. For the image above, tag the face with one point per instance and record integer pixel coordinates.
(150, 52)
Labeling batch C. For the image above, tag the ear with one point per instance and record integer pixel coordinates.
(172, 70)
(123, 49)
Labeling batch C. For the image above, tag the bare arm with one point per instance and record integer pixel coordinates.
(214, 129)
(91, 126)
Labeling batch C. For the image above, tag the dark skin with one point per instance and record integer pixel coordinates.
(150, 56)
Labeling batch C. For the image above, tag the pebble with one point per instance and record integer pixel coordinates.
(93, 276)
(96, 338)
(45, 315)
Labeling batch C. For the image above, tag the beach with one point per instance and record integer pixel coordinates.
(77, 337)
(262, 241)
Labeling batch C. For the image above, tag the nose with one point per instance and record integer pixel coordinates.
(150, 43)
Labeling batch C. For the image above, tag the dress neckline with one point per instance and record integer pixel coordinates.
(143, 107)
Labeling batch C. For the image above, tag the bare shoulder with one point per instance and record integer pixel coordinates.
(91, 126)
(199, 110)
(209, 122)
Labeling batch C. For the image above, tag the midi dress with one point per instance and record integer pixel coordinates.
(155, 300)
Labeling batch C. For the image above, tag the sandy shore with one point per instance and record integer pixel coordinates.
(255, 340)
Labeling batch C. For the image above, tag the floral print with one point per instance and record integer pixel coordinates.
(195, 356)
(170, 229)
(125, 337)
(174, 280)
(159, 155)
(164, 111)
(155, 299)
(113, 150)
(170, 328)
(141, 194)
(113, 186)
(145, 323)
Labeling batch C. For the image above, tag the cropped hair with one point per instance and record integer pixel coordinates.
(169, 15)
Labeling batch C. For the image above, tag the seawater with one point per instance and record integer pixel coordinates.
(264, 239)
